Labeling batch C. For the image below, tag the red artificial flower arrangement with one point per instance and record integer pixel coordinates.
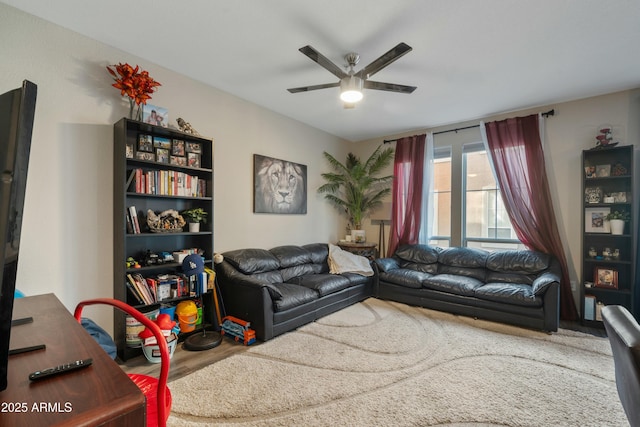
(134, 83)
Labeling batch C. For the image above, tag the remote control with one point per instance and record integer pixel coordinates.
(38, 375)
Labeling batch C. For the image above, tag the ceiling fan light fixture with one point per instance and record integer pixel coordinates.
(351, 89)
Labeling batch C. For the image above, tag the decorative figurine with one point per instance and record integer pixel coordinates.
(186, 127)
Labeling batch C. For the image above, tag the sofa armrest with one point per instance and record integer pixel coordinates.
(542, 282)
(248, 299)
(386, 264)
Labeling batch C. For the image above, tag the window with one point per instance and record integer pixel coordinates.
(441, 224)
(486, 224)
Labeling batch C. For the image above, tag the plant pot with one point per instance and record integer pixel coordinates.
(617, 226)
(358, 236)
(194, 227)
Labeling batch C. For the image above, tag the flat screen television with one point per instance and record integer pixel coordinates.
(17, 108)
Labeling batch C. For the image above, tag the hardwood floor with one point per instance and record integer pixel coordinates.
(184, 361)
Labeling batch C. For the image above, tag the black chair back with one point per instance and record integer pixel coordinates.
(624, 336)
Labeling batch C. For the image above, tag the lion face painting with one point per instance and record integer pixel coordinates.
(279, 186)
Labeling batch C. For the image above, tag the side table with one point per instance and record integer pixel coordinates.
(366, 249)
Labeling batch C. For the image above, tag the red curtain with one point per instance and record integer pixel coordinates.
(408, 169)
(518, 160)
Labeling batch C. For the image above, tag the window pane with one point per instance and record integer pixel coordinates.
(442, 197)
(485, 214)
(479, 174)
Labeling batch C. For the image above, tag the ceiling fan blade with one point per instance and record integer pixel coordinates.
(314, 87)
(390, 87)
(316, 56)
(386, 59)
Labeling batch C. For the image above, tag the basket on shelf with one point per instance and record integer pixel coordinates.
(169, 221)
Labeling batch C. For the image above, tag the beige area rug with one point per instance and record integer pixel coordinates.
(379, 363)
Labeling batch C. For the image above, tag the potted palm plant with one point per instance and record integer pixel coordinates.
(195, 217)
(356, 188)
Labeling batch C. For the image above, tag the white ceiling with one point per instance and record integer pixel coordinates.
(470, 59)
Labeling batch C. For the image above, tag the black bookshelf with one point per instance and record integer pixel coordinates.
(608, 277)
(151, 194)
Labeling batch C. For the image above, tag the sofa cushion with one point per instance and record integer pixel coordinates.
(463, 257)
(318, 252)
(405, 277)
(462, 261)
(387, 264)
(422, 254)
(323, 284)
(291, 255)
(298, 270)
(268, 276)
(459, 285)
(519, 262)
(292, 296)
(506, 277)
(250, 261)
(509, 294)
(355, 278)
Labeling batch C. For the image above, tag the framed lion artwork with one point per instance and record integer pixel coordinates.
(279, 186)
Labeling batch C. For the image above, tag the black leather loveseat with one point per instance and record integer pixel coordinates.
(516, 287)
(283, 288)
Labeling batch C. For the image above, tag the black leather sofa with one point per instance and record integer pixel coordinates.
(516, 287)
(286, 287)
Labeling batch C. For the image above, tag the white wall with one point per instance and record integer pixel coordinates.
(572, 129)
(66, 245)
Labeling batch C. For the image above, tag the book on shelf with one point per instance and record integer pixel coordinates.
(167, 183)
(133, 216)
(134, 292)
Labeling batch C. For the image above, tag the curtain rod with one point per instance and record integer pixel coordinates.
(386, 141)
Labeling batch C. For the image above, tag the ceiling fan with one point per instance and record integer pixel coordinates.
(351, 83)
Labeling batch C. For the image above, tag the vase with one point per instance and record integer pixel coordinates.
(617, 226)
(194, 227)
(358, 236)
(135, 111)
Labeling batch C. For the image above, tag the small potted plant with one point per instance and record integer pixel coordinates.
(195, 217)
(617, 220)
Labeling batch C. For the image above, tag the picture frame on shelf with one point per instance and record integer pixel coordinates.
(594, 220)
(194, 147)
(593, 195)
(162, 155)
(178, 160)
(590, 172)
(129, 150)
(145, 143)
(143, 155)
(603, 171)
(177, 147)
(155, 115)
(161, 142)
(619, 197)
(605, 278)
(193, 160)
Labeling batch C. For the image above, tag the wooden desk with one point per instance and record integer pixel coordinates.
(101, 394)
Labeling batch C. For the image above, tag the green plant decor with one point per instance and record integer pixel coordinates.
(195, 215)
(356, 188)
(623, 215)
